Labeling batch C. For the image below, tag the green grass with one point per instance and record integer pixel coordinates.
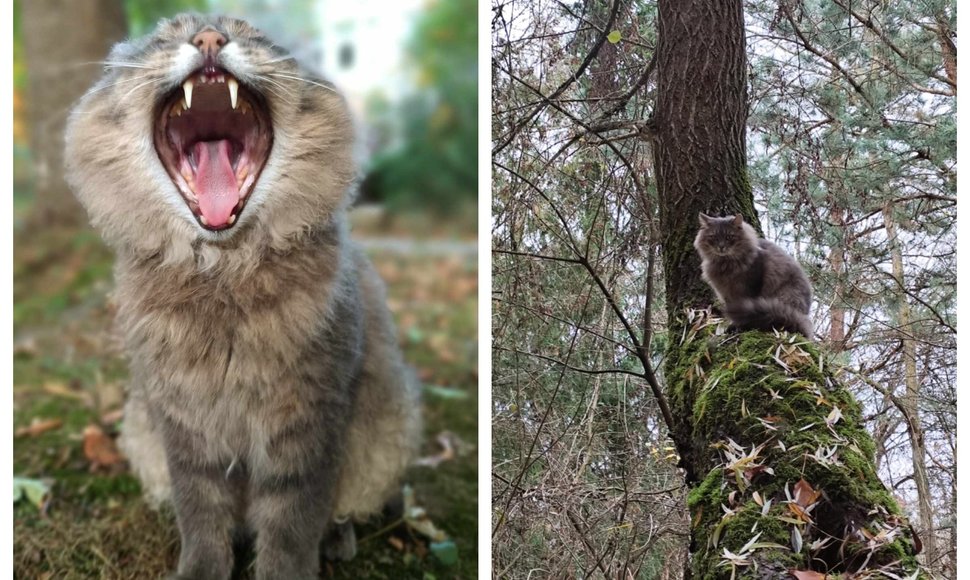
(68, 366)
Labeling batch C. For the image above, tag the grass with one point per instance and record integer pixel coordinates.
(68, 366)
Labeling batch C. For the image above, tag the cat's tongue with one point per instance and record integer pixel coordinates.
(215, 182)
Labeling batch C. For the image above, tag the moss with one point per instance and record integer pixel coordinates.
(767, 394)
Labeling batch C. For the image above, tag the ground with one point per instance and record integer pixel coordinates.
(68, 370)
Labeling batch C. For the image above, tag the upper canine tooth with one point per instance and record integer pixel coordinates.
(233, 91)
(187, 89)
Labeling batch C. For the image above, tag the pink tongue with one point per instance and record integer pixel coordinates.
(215, 183)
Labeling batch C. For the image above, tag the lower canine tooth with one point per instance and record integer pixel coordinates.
(203, 221)
(232, 219)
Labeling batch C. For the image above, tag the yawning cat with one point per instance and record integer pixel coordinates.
(268, 393)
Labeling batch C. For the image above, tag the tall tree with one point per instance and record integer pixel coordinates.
(591, 317)
(63, 42)
(785, 475)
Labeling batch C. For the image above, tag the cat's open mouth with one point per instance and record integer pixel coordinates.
(213, 136)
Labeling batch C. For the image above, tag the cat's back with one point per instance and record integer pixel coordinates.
(783, 275)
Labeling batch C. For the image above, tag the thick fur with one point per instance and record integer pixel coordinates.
(760, 286)
(268, 393)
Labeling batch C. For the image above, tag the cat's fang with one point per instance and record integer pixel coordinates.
(233, 91)
(187, 89)
(232, 219)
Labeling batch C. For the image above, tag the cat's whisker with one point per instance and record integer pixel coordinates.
(301, 79)
(280, 91)
(121, 82)
(148, 82)
(278, 59)
(275, 83)
(118, 64)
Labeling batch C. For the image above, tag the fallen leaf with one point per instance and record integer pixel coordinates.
(38, 426)
(396, 543)
(36, 491)
(112, 417)
(417, 518)
(917, 542)
(100, 449)
(446, 552)
(807, 575)
(68, 391)
(805, 494)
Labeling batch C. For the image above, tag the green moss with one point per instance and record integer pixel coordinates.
(767, 393)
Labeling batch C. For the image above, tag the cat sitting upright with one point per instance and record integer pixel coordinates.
(760, 286)
(268, 394)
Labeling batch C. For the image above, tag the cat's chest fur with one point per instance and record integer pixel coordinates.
(238, 358)
(736, 277)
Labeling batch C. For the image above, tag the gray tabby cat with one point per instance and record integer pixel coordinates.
(268, 394)
(760, 286)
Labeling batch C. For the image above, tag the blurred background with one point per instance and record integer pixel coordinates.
(408, 69)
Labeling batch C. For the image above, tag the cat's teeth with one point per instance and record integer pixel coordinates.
(232, 219)
(203, 220)
(187, 89)
(221, 78)
(233, 91)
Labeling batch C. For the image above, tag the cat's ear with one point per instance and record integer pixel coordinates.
(703, 219)
(738, 220)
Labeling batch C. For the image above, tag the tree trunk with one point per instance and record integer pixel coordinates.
(781, 468)
(699, 122)
(911, 399)
(837, 263)
(63, 42)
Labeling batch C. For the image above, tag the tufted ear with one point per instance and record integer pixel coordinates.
(703, 219)
(738, 220)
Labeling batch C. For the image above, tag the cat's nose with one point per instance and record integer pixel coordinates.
(209, 42)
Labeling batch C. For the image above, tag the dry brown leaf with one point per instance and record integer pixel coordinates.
(38, 426)
(68, 391)
(396, 543)
(100, 449)
(112, 417)
(805, 494)
(807, 575)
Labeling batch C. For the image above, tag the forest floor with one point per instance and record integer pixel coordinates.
(69, 374)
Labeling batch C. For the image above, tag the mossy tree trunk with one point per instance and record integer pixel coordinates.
(783, 476)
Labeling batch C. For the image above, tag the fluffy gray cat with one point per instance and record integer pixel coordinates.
(760, 286)
(268, 393)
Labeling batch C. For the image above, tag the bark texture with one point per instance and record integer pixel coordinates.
(64, 40)
(699, 122)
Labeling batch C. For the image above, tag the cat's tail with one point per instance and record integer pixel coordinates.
(768, 314)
